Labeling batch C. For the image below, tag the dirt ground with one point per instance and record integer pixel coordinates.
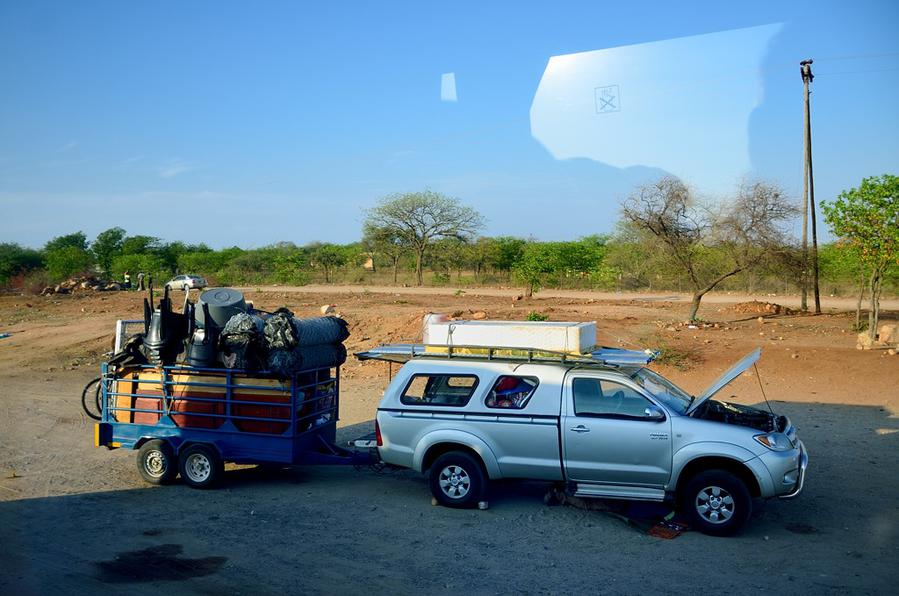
(78, 519)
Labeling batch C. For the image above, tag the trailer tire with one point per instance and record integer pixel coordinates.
(457, 480)
(156, 462)
(201, 466)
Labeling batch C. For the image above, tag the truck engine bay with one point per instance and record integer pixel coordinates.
(730, 413)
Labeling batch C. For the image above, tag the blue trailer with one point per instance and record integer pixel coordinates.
(189, 420)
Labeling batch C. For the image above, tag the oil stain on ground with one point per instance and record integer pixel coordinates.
(157, 563)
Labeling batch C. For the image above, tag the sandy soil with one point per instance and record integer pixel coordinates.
(72, 516)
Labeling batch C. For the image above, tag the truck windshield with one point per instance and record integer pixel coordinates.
(670, 394)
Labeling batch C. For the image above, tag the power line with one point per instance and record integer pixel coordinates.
(843, 72)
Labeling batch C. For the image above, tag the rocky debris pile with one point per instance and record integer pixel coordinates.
(756, 307)
(887, 337)
(73, 284)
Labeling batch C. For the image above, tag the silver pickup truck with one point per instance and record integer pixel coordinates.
(605, 431)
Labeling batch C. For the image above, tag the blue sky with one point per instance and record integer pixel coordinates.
(251, 123)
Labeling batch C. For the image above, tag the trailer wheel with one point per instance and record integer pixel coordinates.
(200, 466)
(156, 462)
(457, 480)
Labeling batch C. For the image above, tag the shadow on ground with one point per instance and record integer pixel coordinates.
(340, 529)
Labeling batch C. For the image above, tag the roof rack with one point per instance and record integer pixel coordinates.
(601, 357)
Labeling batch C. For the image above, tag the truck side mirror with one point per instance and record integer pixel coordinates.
(653, 412)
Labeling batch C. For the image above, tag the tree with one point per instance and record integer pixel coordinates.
(538, 259)
(15, 260)
(748, 229)
(581, 258)
(453, 254)
(136, 245)
(480, 255)
(632, 254)
(328, 257)
(420, 218)
(385, 241)
(66, 261)
(507, 252)
(867, 218)
(149, 264)
(840, 262)
(107, 246)
(77, 240)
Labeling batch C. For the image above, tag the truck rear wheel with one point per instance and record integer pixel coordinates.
(717, 503)
(156, 462)
(457, 480)
(200, 466)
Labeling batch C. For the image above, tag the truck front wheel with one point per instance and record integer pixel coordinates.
(457, 480)
(717, 503)
(156, 462)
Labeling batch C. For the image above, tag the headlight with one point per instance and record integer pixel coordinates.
(774, 441)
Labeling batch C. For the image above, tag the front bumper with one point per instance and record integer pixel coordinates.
(800, 481)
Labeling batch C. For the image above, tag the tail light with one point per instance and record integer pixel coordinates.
(378, 434)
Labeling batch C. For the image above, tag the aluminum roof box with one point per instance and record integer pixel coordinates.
(566, 337)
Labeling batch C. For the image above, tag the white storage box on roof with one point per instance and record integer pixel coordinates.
(571, 338)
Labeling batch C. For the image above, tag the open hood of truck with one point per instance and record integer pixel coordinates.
(735, 371)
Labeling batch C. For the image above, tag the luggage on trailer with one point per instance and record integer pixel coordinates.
(241, 343)
(321, 330)
(131, 395)
(199, 400)
(295, 345)
(286, 363)
(280, 332)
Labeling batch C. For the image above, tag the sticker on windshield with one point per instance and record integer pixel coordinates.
(607, 99)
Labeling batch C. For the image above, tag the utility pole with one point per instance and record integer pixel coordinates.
(808, 197)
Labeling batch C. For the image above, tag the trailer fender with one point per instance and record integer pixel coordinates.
(446, 439)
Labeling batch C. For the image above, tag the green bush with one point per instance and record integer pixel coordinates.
(16, 260)
(67, 261)
(136, 263)
(537, 316)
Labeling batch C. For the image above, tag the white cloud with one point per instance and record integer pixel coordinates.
(175, 168)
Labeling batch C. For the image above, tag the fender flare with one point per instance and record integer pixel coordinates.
(462, 438)
(739, 455)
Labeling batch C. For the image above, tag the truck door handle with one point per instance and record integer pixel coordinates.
(580, 428)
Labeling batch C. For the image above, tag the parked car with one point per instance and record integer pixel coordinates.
(621, 432)
(186, 282)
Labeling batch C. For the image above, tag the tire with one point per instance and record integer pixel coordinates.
(95, 412)
(200, 466)
(457, 480)
(156, 462)
(717, 503)
(185, 287)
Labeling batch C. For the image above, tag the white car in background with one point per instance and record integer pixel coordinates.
(186, 282)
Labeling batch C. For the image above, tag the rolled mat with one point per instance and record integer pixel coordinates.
(321, 330)
(285, 363)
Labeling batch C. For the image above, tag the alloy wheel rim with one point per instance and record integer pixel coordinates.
(454, 482)
(715, 505)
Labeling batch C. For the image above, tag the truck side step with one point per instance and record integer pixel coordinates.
(611, 491)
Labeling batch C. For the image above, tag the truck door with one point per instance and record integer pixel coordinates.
(613, 434)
